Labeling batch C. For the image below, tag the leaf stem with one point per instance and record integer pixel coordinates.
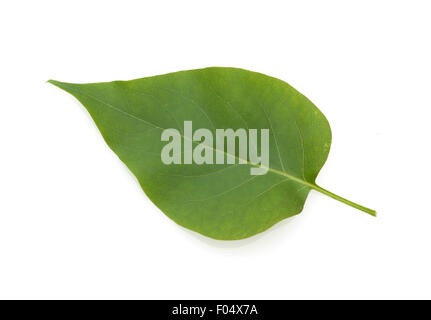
(343, 200)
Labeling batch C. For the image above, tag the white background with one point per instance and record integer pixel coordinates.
(74, 222)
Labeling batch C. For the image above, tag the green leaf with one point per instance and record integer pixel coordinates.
(221, 201)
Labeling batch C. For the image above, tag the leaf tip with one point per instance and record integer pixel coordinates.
(62, 85)
(54, 82)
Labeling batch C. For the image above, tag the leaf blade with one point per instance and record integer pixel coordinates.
(224, 197)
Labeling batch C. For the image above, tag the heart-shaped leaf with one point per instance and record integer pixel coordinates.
(204, 179)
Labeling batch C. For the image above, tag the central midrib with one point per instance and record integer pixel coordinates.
(275, 171)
